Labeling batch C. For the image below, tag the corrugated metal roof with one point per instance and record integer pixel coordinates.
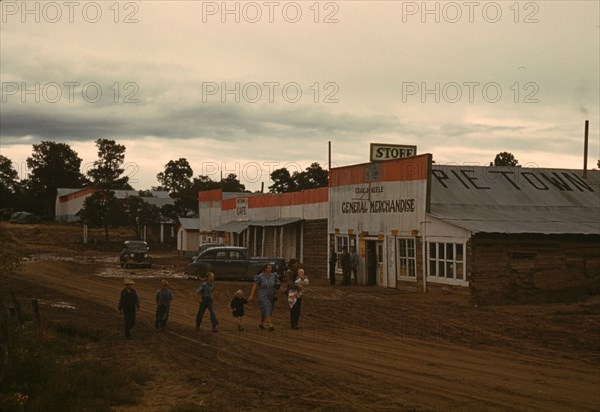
(278, 222)
(517, 200)
(158, 201)
(190, 223)
(234, 226)
(156, 194)
(238, 226)
(61, 191)
(160, 194)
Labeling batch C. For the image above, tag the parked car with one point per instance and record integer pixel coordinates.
(206, 246)
(232, 262)
(23, 217)
(135, 253)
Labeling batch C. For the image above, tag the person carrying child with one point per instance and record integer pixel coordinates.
(295, 297)
(237, 308)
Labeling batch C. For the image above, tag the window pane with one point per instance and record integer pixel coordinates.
(441, 269)
(411, 248)
(449, 269)
(459, 252)
(432, 249)
(402, 244)
(441, 251)
(459, 271)
(432, 268)
(411, 268)
(402, 268)
(450, 251)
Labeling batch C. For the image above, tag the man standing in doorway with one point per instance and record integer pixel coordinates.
(346, 267)
(354, 264)
(332, 264)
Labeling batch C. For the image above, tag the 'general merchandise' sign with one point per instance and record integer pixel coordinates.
(380, 151)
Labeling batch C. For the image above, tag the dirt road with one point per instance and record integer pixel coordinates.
(358, 348)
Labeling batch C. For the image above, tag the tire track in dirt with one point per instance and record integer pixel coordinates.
(349, 367)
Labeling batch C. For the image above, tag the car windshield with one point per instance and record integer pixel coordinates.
(219, 253)
(137, 246)
(207, 246)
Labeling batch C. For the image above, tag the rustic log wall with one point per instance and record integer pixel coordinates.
(533, 269)
(314, 260)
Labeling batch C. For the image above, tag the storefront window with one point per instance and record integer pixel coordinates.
(432, 259)
(446, 260)
(406, 258)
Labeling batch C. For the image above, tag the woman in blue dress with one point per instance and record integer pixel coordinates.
(266, 282)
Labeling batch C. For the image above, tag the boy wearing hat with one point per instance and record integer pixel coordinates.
(128, 304)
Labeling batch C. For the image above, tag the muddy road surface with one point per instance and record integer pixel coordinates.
(357, 349)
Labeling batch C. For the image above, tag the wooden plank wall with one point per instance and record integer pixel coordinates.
(315, 248)
(527, 269)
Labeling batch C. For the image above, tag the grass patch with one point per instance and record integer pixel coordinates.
(41, 374)
(76, 332)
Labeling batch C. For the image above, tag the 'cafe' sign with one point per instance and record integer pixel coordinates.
(380, 151)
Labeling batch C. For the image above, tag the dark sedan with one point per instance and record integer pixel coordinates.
(135, 253)
(231, 262)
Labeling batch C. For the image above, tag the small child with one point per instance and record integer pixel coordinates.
(237, 308)
(301, 280)
(295, 291)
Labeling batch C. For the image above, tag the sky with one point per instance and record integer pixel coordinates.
(250, 87)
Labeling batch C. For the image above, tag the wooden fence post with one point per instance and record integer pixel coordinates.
(18, 310)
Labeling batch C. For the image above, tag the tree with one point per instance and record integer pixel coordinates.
(232, 184)
(505, 159)
(9, 183)
(186, 203)
(202, 183)
(282, 181)
(177, 177)
(101, 209)
(107, 170)
(52, 165)
(312, 177)
(138, 213)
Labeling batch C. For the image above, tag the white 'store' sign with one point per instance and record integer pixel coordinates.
(380, 151)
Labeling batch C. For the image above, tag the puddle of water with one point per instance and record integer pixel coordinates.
(60, 305)
(119, 273)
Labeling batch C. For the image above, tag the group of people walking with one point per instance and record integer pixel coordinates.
(264, 290)
(129, 304)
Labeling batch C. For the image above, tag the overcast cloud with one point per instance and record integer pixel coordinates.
(485, 77)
